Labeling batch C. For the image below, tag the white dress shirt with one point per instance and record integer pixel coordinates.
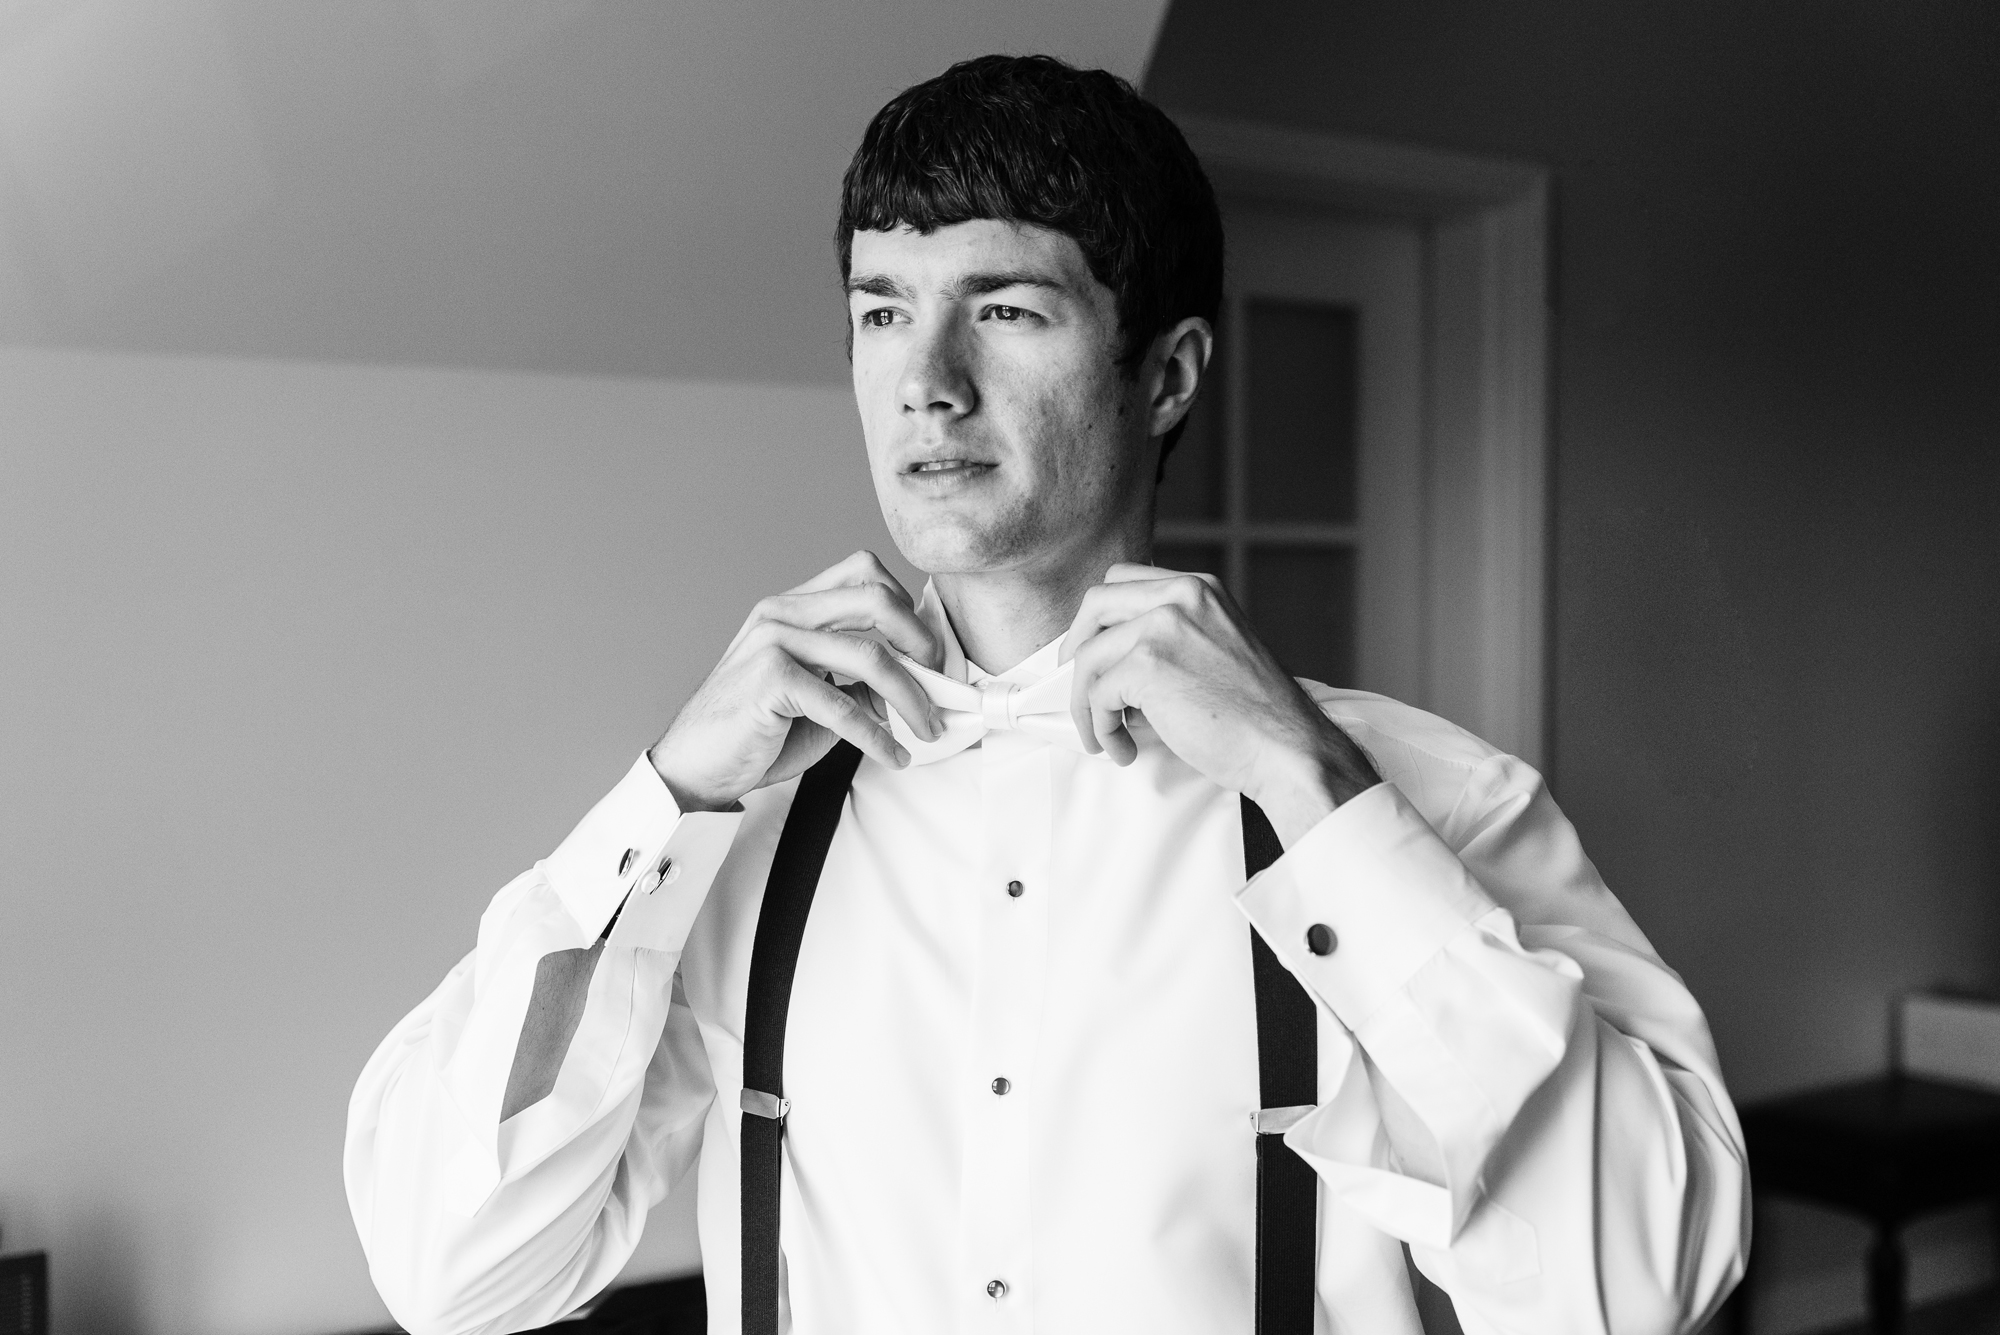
(1510, 1080)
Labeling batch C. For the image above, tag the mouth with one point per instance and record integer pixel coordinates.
(946, 468)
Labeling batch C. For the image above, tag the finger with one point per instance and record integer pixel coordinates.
(863, 567)
(871, 704)
(1113, 604)
(1107, 703)
(858, 607)
(803, 695)
(1099, 716)
(1112, 735)
(903, 628)
(1127, 572)
(1124, 572)
(864, 661)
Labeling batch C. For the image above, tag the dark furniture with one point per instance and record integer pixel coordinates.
(24, 1294)
(661, 1307)
(651, 1307)
(1889, 1149)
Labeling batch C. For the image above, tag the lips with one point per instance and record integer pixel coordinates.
(928, 466)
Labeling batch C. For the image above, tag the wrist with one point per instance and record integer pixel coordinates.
(686, 797)
(1306, 785)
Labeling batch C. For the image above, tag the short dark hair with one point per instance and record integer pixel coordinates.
(1030, 139)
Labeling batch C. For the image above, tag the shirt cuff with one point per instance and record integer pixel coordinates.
(638, 850)
(1386, 890)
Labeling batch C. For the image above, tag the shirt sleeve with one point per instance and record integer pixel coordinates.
(633, 846)
(1520, 1089)
(471, 1224)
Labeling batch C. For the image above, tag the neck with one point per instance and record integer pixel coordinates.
(1003, 616)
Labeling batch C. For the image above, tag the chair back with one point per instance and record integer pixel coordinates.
(1955, 1039)
(24, 1294)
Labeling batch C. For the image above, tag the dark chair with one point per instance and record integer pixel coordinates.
(661, 1307)
(1889, 1149)
(650, 1307)
(24, 1294)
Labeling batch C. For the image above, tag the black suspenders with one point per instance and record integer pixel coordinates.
(1287, 1067)
(1287, 1080)
(774, 958)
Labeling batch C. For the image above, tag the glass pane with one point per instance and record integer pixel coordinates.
(1204, 557)
(1301, 408)
(1192, 488)
(1302, 607)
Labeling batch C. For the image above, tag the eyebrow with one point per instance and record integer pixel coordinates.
(970, 285)
(981, 284)
(878, 285)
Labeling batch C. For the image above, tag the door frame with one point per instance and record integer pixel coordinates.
(1486, 488)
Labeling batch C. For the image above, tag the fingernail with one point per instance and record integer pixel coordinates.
(902, 756)
(937, 728)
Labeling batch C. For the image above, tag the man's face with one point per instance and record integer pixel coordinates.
(1001, 433)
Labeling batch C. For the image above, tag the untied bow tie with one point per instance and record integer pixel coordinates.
(967, 712)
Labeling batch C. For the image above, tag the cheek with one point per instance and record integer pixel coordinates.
(1095, 431)
(867, 377)
(874, 403)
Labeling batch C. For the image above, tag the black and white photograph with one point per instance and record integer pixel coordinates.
(930, 667)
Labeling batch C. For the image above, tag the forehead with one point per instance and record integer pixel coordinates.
(983, 245)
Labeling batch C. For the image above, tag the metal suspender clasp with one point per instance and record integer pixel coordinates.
(758, 1103)
(1270, 1121)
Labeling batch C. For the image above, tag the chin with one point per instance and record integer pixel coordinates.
(955, 545)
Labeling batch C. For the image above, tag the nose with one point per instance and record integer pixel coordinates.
(937, 378)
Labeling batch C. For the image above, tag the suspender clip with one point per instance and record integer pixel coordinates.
(1276, 1121)
(760, 1104)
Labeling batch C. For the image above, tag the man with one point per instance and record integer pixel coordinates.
(1011, 1067)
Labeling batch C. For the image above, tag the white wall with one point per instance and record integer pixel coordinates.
(549, 185)
(300, 661)
(298, 664)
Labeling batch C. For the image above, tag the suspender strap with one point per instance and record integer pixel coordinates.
(1287, 1067)
(774, 958)
(1287, 1188)
(1287, 1078)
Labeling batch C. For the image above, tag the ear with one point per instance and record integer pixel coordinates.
(1179, 361)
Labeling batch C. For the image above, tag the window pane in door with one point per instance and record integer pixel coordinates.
(1302, 607)
(1205, 557)
(1192, 488)
(1300, 407)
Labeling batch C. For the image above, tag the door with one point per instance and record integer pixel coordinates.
(1299, 479)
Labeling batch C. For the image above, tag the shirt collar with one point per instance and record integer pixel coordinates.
(1033, 668)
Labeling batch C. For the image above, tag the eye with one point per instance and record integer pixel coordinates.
(1009, 314)
(879, 318)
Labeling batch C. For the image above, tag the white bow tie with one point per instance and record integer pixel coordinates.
(967, 713)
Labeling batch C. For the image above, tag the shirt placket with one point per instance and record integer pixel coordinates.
(998, 1075)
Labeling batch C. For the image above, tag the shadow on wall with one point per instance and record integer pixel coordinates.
(1667, 566)
(1776, 591)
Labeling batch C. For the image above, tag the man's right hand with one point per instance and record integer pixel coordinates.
(769, 711)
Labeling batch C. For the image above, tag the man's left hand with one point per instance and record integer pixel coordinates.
(1175, 647)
